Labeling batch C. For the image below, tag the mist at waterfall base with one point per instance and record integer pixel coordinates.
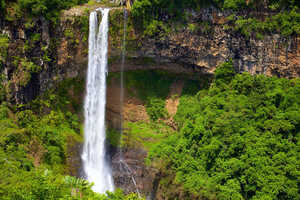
(95, 165)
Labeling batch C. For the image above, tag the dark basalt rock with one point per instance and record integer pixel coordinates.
(130, 172)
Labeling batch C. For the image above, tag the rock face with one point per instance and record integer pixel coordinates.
(213, 43)
(41, 55)
(131, 174)
(61, 50)
(129, 170)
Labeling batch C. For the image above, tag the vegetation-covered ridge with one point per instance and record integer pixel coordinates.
(249, 17)
(237, 139)
(18, 9)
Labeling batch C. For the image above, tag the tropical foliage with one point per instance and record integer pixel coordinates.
(45, 8)
(153, 16)
(35, 142)
(238, 139)
(152, 87)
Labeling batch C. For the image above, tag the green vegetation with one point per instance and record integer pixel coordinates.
(116, 31)
(237, 139)
(286, 23)
(30, 147)
(154, 17)
(113, 137)
(104, 3)
(83, 23)
(149, 14)
(139, 134)
(2, 89)
(2, 5)
(33, 150)
(24, 70)
(144, 135)
(118, 195)
(152, 87)
(49, 9)
(4, 43)
(35, 143)
(26, 58)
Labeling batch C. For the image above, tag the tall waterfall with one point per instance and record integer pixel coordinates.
(95, 165)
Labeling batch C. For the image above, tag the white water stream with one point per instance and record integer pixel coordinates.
(95, 165)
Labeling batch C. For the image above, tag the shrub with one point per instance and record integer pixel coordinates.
(3, 111)
(4, 43)
(156, 109)
(225, 72)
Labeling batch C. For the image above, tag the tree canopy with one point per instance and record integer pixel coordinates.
(238, 139)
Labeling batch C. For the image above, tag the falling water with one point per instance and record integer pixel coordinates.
(123, 165)
(95, 165)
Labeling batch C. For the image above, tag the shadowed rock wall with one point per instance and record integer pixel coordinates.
(61, 50)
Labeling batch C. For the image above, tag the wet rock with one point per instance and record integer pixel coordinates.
(130, 172)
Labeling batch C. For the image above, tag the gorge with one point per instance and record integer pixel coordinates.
(149, 99)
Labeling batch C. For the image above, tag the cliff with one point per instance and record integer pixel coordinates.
(60, 50)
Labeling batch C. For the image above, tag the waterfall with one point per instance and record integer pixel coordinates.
(95, 164)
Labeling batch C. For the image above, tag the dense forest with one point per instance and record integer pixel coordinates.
(34, 149)
(238, 139)
(235, 135)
